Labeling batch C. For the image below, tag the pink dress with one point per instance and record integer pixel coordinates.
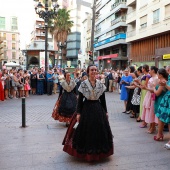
(148, 114)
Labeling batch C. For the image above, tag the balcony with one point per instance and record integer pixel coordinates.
(40, 34)
(98, 4)
(131, 2)
(2, 56)
(119, 19)
(111, 39)
(131, 17)
(117, 4)
(98, 31)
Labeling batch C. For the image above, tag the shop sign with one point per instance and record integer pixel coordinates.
(166, 56)
(107, 56)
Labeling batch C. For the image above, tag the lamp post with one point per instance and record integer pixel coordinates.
(62, 45)
(24, 52)
(92, 31)
(46, 14)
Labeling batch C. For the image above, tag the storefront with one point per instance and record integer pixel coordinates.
(162, 57)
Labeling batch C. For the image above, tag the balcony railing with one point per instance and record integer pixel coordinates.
(98, 4)
(98, 30)
(120, 19)
(40, 34)
(118, 3)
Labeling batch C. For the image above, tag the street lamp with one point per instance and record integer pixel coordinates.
(62, 45)
(46, 14)
(24, 52)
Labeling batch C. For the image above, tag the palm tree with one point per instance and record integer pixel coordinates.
(62, 25)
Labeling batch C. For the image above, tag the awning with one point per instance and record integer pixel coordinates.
(107, 56)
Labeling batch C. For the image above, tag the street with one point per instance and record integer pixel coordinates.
(39, 146)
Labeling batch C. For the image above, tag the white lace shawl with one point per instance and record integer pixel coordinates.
(68, 87)
(92, 93)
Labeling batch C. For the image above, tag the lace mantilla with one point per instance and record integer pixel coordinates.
(68, 87)
(92, 93)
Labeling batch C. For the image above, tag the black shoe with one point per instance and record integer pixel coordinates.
(124, 112)
(128, 112)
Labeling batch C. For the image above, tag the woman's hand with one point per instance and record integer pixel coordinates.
(163, 83)
(78, 118)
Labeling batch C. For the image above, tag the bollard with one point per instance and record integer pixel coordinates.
(23, 112)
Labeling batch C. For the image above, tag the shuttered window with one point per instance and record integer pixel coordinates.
(156, 14)
(143, 21)
(167, 11)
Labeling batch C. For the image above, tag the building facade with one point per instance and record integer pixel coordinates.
(10, 40)
(148, 33)
(110, 34)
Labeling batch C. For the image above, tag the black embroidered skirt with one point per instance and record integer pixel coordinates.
(65, 107)
(92, 139)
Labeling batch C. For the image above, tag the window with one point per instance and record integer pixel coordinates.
(156, 16)
(14, 23)
(167, 11)
(13, 37)
(143, 21)
(5, 45)
(4, 36)
(13, 55)
(5, 54)
(13, 46)
(2, 23)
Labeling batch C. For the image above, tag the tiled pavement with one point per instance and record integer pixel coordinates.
(38, 147)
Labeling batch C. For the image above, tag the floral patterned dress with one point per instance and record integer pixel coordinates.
(163, 112)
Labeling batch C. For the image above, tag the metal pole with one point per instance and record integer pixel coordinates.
(93, 26)
(23, 113)
(46, 45)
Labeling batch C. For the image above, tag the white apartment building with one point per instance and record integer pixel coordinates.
(148, 33)
(110, 33)
(76, 50)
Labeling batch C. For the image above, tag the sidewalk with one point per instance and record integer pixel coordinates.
(38, 147)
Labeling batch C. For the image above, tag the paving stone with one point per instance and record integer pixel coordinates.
(39, 146)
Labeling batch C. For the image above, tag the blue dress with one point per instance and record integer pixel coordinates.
(124, 92)
(40, 85)
(163, 112)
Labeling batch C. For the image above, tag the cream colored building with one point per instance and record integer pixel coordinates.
(148, 32)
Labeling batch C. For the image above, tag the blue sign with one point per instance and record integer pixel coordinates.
(111, 39)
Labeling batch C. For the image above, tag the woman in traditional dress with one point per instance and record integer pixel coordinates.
(66, 104)
(92, 139)
(148, 104)
(161, 104)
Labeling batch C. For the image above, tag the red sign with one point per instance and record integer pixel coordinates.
(108, 61)
(107, 56)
